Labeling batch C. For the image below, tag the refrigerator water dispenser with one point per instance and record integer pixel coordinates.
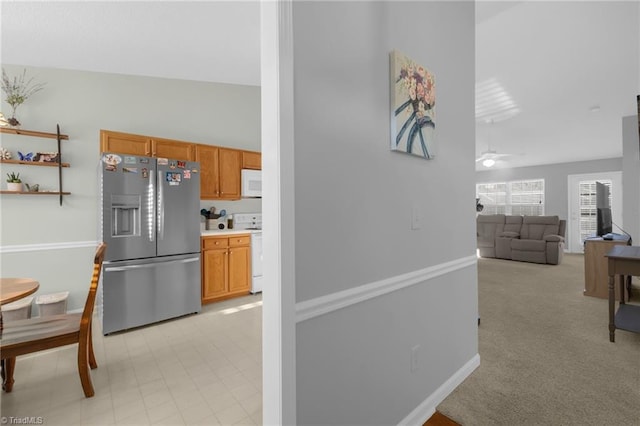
(125, 215)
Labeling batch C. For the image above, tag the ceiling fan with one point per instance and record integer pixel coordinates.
(489, 157)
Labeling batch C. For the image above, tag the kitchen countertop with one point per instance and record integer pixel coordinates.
(215, 232)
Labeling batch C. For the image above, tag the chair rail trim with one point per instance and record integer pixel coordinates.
(22, 248)
(331, 302)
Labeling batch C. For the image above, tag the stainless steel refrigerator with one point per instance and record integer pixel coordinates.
(150, 223)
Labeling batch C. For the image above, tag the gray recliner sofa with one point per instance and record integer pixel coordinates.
(538, 239)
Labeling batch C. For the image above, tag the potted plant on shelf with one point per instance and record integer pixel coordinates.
(14, 183)
(17, 91)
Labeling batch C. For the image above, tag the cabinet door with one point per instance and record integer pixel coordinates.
(207, 156)
(230, 162)
(214, 273)
(167, 148)
(239, 269)
(251, 160)
(124, 143)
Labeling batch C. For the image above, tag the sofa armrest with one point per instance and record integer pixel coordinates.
(509, 234)
(554, 238)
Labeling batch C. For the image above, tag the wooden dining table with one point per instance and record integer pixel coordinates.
(12, 289)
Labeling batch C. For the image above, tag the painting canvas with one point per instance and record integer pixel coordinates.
(413, 107)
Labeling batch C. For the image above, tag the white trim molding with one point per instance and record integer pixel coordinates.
(324, 304)
(277, 130)
(21, 248)
(426, 409)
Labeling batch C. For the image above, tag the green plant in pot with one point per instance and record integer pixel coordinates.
(14, 183)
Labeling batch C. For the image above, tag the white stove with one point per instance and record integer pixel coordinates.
(252, 222)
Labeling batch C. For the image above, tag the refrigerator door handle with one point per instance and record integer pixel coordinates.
(148, 265)
(151, 193)
(160, 205)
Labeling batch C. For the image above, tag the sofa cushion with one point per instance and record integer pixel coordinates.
(528, 245)
(512, 223)
(554, 238)
(487, 227)
(536, 227)
(506, 234)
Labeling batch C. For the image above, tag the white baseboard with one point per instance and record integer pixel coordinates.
(426, 409)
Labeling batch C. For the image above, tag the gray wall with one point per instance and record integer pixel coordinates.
(631, 177)
(353, 203)
(555, 179)
(83, 103)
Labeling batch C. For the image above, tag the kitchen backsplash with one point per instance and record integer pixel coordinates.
(249, 205)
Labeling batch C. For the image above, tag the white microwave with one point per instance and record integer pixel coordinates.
(251, 183)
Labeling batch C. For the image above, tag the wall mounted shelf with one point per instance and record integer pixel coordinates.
(58, 137)
(35, 192)
(34, 163)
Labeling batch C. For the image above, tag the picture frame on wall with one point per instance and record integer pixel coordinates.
(413, 107)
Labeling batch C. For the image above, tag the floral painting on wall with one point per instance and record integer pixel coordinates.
(413, 102)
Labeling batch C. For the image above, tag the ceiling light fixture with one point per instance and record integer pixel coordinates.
(489, 162)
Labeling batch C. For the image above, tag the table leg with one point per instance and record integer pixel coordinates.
(612, 306)
(8, 366)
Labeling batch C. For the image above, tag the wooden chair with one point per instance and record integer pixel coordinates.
(37, 334)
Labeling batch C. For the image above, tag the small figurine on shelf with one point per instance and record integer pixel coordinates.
(5, 154)
(14, 183)
(25, 157)
(32, 188)
(3, 121)
(18, 90)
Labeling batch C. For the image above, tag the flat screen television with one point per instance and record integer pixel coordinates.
(603, 210)
(605, 225)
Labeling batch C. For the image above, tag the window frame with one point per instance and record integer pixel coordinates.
(507, 207)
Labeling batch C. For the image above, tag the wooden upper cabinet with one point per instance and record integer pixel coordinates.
(230, 161)
(219, 167)
(124, 143)
(207, 156)
(251, 160)
(168, 148)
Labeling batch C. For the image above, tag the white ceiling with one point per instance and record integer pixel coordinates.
(557, 60)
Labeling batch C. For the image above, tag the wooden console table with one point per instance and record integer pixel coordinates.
(623, 261)
(595, 265)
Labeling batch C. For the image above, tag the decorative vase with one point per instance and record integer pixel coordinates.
(14, 186)
(13, 121)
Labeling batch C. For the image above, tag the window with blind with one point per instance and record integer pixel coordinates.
(522, 197)
(588, 218)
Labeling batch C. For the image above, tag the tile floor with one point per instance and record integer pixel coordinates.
(203, 369)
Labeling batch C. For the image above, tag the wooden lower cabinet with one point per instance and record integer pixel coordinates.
(226, 267)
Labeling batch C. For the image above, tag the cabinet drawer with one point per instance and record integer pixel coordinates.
(239, 240)
(214, 243)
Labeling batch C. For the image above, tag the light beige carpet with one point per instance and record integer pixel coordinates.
(545, 353)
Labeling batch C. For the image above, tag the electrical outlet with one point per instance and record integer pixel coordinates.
(414, 358)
